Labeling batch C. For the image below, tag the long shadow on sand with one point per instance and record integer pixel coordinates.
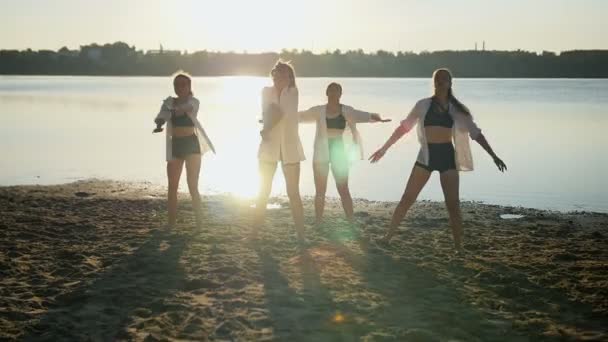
(103, 309)
(308, 314)
(517, 294)
(416, 304)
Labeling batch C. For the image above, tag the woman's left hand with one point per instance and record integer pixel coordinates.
(501, 165)
(376, 118)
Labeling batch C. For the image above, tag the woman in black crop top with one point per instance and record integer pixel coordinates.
(330, 150)
(440, 138)
(185, 147)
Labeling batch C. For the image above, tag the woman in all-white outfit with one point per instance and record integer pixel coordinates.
(444, 127)
(330, 147)
(280, 143)
(186, 143)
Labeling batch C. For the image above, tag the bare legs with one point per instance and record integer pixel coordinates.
(341, 177)
(450, 185)
(193, 168)
(292, 180)
(174, 172)
(291, 173)
(416, 182)
(321, 172)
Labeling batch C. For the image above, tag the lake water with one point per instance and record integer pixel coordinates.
(552, 134)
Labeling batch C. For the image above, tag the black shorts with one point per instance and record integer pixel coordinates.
(181, 147)
(442, 158)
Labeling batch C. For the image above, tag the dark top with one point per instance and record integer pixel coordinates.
(181, 121)
(339, 122)
(438, 117)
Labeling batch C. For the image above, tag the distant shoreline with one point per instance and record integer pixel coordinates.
(300, 77)
(121, 59)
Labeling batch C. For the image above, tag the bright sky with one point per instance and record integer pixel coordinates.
(317, 25)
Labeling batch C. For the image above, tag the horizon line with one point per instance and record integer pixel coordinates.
(296, 50)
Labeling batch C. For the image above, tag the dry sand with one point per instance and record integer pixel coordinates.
(89, 261)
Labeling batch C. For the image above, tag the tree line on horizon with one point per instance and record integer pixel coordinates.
(121, 59)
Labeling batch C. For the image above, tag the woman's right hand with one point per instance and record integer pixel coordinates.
(376, 156)
(159, 125)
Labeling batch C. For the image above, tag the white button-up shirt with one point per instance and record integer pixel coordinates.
(283, 141)
(352, 116)
(463, 124)
(191, 109)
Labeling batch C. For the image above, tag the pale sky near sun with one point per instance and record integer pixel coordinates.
(317, 25)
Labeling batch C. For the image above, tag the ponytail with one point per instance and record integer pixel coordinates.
(461, 107)
(451, 98)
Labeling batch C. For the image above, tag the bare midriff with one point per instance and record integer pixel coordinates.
(334, 133)
(184, 131)
(438, 135)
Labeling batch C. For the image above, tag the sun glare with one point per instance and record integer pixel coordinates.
(236, 110)
(242, 25)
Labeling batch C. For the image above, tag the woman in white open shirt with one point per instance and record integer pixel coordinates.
(186, 142)
(280, 142)
(332, 120)
(443, 124)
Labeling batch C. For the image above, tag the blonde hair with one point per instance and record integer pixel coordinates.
(282, 65)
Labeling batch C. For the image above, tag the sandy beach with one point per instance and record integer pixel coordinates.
(90, 261)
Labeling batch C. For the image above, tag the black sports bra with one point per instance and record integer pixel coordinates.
(339, 122)
(438, 117)
(181, 121)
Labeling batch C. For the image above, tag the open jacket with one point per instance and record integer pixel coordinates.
(464, 126)
(283, 141)
(191, 109)
(352, 116)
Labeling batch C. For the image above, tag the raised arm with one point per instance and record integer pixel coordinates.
(271, 113)
(405, 126)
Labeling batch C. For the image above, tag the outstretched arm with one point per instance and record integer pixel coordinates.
(360, 116)
(375, 117)
(397, 134)
(481, 140)
(405, 126)
(309, 115)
